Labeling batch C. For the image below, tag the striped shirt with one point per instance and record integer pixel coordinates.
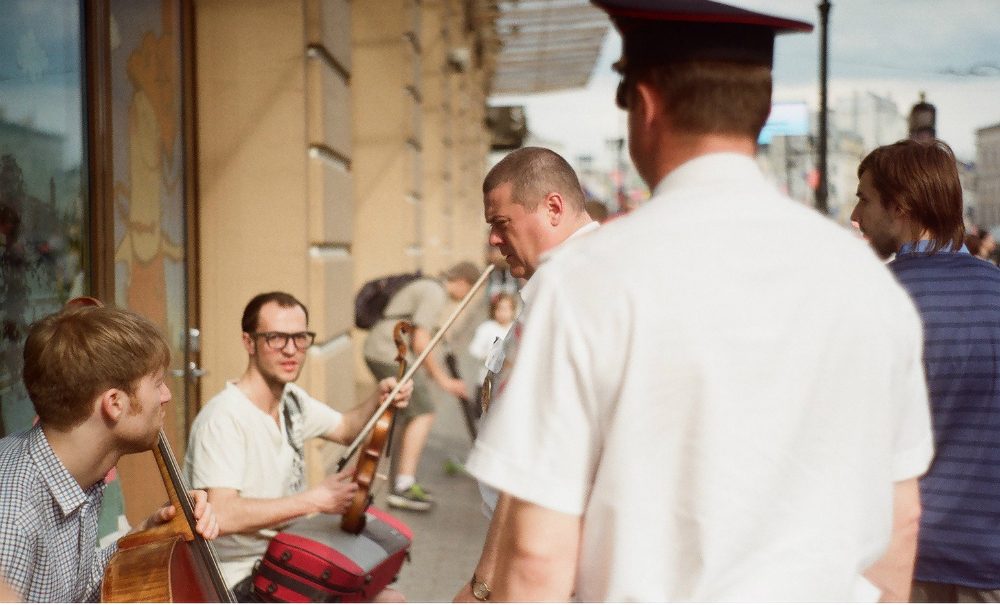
(48, 524)
(958, 297)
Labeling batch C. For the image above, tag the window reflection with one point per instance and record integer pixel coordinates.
(42, 183)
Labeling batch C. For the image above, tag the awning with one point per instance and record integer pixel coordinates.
(546, 45)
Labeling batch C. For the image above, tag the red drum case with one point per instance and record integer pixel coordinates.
(313, 560)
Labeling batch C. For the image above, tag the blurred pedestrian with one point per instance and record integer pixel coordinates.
(421, 302)
(503, 309)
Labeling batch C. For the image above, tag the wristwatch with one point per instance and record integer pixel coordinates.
(479, 589)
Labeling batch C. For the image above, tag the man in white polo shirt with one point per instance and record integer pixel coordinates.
(687, 423)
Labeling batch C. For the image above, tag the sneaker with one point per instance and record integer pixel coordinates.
(414, 498)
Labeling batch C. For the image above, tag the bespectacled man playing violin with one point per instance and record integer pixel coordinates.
(245, 446)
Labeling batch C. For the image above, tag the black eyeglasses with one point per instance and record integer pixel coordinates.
(279, 340)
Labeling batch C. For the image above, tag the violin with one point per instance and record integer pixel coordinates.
(169, 563)
(353, 520)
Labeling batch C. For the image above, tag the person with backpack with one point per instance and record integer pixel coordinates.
(421, 302)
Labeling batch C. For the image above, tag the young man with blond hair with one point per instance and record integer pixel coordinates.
(96, 378)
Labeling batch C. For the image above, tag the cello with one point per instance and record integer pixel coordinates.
(354, 518)
(169, 563)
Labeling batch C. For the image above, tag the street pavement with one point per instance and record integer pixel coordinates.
(448, 539)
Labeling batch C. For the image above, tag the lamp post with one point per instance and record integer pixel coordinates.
(821, 188)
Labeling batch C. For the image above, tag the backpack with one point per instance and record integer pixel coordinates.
(374, 296)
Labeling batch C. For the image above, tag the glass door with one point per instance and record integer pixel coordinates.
(149, 194)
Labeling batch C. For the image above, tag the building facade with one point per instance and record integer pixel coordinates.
(988, 176)
(177, 157)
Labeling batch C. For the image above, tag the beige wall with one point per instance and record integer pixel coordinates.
(335, 144)
(420, 141)
(275, 184)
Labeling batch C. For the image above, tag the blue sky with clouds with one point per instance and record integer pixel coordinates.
(949, 49)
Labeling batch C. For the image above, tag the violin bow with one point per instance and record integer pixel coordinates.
(351, 449)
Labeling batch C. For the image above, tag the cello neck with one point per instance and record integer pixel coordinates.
(177, 492)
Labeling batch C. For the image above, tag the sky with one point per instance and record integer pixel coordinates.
(948, 49)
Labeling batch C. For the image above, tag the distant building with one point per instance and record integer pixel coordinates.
(967, 176)
(876, 119)
(988, 176)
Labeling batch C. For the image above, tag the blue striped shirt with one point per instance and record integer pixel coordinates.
(48, 524)
(958, 297)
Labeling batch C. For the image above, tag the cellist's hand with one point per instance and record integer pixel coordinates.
(402, 397)
(334, 494)
(206, 524)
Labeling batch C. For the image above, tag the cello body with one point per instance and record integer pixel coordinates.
(164, 571)
(168, 563)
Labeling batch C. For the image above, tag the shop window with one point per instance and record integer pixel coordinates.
(43, 188)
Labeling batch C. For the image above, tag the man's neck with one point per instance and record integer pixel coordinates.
(86, 450)
(263, 393)
(679, 148)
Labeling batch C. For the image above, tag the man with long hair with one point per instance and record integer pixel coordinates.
(910, 205)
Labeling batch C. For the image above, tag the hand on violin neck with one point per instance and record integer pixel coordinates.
(333, 494)
(402, 397)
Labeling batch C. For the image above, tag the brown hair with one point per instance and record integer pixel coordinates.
(251, 313)
(712, 97)
(535, 172)
(74, 355)
(500, 297)
(921, 180)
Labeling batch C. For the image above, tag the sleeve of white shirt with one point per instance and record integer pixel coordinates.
(317, 417)
(541, 441)
(913, 446)
(215, 456)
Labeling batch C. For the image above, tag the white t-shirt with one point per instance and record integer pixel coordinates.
(728, 419)
(487, 334)
(236, 445)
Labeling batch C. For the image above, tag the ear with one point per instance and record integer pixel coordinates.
(647, 102)
(555, 205)
(113, 403)
(248, 344)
